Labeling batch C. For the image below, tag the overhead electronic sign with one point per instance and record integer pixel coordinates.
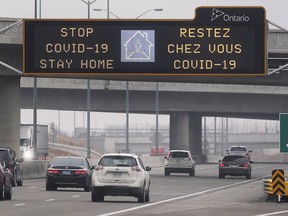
(221, 41)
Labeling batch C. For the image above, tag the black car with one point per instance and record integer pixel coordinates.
(5, 182)
(68, 171)
(13, 163)
(235, 165)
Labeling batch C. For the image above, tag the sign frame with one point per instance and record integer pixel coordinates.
(30, 50)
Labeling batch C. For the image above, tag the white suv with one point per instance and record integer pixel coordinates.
(179, 161)
(239, 150)
(120, 174)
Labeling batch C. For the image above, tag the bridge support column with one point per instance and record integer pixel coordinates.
(186, 133)
(10, 112)
(195, 135)
(179, 130)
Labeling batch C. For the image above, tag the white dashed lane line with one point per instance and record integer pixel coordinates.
(76, 196)
(49, 200)
(19, 204)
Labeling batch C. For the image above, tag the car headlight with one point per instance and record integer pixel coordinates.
(28, 155)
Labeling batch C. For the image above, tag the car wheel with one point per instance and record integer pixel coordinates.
(14, 182)
(192, 172)
(87, 188)
(147, 196)
(8, 193)
(141, 197)
(221, 175)
(48, 187)
(95, 197)
(101, 198)
(2, 192)
(20, 183)
(167, 173)
(248, 176)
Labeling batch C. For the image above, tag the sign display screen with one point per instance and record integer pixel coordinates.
(218, 41)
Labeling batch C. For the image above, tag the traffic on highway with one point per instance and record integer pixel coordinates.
(177, 194)
(216, 61)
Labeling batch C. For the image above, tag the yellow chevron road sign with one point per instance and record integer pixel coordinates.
(278, 182)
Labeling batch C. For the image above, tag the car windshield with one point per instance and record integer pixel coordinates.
(238, 148)
(179, 154)
(4, 155)
(118, 161)
(68, 162)
(24, 142)
(235, 159)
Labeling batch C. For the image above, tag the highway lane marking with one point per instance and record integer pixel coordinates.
(32, 187)
(273, 213)
(182, 197)
(49, 200)
(19, 204)
(75, 196)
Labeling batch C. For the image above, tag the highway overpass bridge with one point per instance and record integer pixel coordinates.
(186, 99)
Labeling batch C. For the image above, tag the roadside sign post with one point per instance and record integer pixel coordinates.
(283, 117)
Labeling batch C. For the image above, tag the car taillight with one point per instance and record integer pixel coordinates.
(53, 171)
(246, 165)
(99, 167)
(221, 165)
(10, 165)
(136, 168)
(81, 172)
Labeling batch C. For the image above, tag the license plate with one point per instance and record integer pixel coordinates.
(116, 175)
(66, 172)
(234, 166)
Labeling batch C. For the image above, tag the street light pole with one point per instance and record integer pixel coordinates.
(35, 10)
(34, 143)
(157, 9)
(88, 4)
(88, 93)
(109, 12)
(157, 112)
(127, 117)
(108, 9)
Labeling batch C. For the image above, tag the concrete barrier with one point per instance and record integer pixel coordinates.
(35, 169)
(153, 161)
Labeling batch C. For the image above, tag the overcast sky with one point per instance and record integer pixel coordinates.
(276, 10)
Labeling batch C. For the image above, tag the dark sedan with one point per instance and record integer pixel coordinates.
(235, 165)
(66, 171)
(6, 178)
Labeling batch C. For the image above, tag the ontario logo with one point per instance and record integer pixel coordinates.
(217, 14)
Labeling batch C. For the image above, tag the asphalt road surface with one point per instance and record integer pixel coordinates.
(175, 195)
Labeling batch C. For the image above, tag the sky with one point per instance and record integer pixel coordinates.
(276, 12)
